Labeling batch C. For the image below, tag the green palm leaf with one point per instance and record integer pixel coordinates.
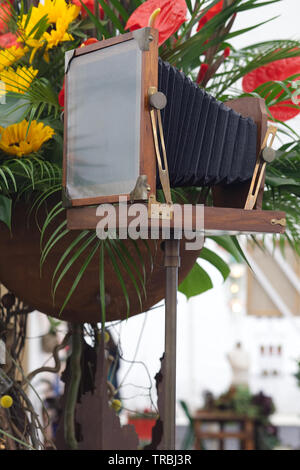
(196, 282)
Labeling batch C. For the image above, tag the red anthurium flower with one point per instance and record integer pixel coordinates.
(90, 4)
(5, 14)
(172, 16)
(89, 41)
(213, 11)
(61, 96)
(8, 40)
(278, 70)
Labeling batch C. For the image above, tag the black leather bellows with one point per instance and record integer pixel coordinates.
(206, 142)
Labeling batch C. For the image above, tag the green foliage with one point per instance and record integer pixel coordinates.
(216, 261)
(242, 61)
(242, 403)
(240, 400)
(196, 282)
(102, 283)
(14, 110)
(99, 25)
(283, 189)
(84, 247)
(54, 324)
(5, 210)
(297, 374)
(41, 173)
(187, 51)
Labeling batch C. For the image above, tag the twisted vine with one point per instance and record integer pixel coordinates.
(72, 392)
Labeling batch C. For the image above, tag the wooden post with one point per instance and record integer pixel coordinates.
(249, 432)
(171, 263)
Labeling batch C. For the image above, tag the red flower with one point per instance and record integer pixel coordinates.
(213, 11)
(226, 52)
(89, 41)
(90, 4)
(8, 40)
(61, 96)
(202, 73)
(278, 70)
(171, 17)
(5, 14)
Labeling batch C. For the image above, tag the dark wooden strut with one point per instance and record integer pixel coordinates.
(171, 263)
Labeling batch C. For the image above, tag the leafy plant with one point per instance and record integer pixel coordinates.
(206, 55)
(258, 407)
(297, 374)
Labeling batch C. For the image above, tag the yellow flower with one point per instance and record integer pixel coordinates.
(6, 401)
(56, 9)
(106, 336)
(17, 81)
(59, 15)
(19, 140)
(116, 405)
(59, 34)
(10, 56)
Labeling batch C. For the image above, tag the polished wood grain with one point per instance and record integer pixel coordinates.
(147, 150)
(64, 175)
(149, 79)
(216, 219)
(103, 44)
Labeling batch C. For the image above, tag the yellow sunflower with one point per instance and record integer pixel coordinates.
(18, 81)
(59, 34)
(56, 9)
(10, 56)
(19, 140)
(59, 14)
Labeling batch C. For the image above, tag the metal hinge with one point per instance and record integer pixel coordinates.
(158, 210)
(141, 189)
(66, 200)
(281, 222)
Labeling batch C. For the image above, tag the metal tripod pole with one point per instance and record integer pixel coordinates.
(171, 263)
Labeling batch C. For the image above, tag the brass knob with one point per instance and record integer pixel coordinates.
(268, 154)
(158, 100)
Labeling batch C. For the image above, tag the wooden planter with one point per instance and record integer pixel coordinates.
(20, 273)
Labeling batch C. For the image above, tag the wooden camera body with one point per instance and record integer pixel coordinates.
(113, 141)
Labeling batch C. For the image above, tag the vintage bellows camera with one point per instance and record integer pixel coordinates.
(134, 123)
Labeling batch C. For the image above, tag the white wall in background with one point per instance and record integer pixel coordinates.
(207, 331)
